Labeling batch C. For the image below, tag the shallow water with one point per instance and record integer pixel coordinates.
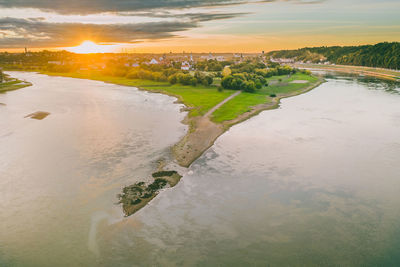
(315, 182)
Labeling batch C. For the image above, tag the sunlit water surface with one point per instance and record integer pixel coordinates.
(316, 182)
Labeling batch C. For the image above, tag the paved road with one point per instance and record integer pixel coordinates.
(211, 111)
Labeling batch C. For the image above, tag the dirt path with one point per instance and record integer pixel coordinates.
(211, 111)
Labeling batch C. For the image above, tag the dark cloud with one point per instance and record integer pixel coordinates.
(98, 6)
(35, 33)
(198, 17)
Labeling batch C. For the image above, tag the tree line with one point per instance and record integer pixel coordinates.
(382, 55)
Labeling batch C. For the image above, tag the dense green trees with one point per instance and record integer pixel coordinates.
(188, 79)
(383, 55)
(248, 82)
(211, 65)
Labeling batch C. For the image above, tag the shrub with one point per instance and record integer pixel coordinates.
(258, 84)
(163, 173)
(173, 79)
(249, 86)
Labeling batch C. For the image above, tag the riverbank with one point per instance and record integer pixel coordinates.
(204, 131)
(210, 114)
(386, 74)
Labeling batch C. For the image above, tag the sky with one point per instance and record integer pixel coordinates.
(196, 26)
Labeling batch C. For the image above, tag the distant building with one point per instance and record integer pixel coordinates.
(55, 62)
(153, 61)
(282, 60)
(185, 66)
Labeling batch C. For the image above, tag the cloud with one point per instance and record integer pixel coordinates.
(99, 6)
(36, 33)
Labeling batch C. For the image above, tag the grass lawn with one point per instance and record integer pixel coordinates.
(238, 105)
(200, 98)
(285, 86)
(243, 102)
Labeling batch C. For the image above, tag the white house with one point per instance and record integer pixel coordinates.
(185, 66)
(153, 61)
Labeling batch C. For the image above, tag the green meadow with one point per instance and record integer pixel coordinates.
(278, 86)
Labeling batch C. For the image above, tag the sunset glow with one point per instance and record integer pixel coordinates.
(88, 47)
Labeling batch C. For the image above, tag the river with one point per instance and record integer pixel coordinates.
(315, 182)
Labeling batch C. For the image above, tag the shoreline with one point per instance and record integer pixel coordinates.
(203, 132)
(380, 73)
(201, 135)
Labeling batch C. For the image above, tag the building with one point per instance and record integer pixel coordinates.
(55, 62)
(185, 66)
(153, 62)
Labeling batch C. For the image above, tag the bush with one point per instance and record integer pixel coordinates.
(164, 173)
(226, 82)
(173, 79)
(249, 87)
(258, 84)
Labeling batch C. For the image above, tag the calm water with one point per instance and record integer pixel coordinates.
(315, 182)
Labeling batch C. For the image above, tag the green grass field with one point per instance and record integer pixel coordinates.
(238, 105)
(243, 102)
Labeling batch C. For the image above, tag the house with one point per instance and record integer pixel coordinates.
(153, 62)
(185, 66)
(55, 62)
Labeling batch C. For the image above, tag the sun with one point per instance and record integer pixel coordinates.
(88, 47)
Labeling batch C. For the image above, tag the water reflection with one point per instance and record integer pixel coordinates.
(314, 183)
(60, 173)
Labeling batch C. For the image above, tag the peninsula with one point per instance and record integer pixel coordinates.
(216, 94)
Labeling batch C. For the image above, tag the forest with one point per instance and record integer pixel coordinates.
(382, 55)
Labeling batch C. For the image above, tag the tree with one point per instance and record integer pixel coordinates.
(173, 79)
(226, 82)
(249, 86)
(237, 84)
(226, 72)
